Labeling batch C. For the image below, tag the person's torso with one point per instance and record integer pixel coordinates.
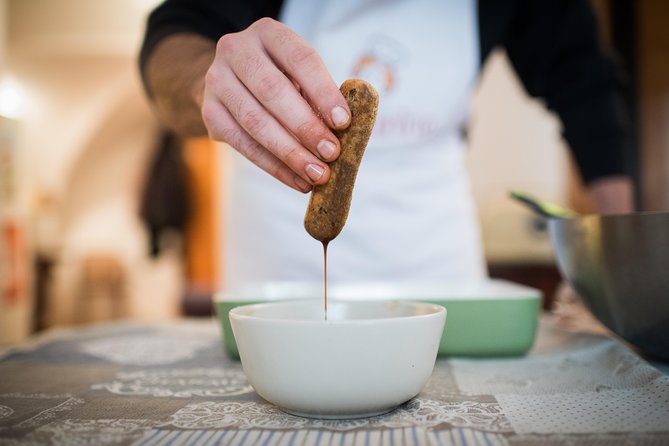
(412, 216)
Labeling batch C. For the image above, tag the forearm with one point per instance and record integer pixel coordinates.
(611, 195)
(174, 76)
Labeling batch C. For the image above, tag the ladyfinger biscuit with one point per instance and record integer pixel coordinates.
(329, 203)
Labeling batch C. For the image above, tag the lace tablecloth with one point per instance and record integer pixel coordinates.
(171, 384)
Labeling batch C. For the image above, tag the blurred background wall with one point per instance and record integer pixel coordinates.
(78, 140)
(83, 139)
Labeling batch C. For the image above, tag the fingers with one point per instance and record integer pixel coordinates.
(267, 131)
(302, 64)
(223, 127)
(270, 96)
(283, 100)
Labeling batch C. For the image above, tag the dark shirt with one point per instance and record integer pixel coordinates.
(552, 45)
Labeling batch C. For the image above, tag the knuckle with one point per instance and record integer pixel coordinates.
(264, 23)
(251, 67)
(269, 88)
(254, 153)
(283, 35)
(309, 129)
(231, 100)
(253, 122)
(301, 55)
(227, 43)
(231, 135)
(229, 97)
(292, 156)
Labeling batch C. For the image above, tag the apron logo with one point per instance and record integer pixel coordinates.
(378, 63)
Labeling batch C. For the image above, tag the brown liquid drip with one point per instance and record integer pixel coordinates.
(325, 278)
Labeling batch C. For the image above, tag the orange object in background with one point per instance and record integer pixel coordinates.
(13, 284)
(201, 234)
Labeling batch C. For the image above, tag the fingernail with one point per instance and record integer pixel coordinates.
(340, 116)
(314, 171)
(302, 185)
(326, 149)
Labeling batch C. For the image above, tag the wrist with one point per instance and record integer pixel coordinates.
(611, 195)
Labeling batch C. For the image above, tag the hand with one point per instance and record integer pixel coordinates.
(611, 195)
(268, 94)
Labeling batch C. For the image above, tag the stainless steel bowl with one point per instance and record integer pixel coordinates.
(619, 265)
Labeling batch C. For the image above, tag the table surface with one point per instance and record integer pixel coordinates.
(171, 383)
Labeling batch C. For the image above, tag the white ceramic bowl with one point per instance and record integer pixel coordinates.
(365, 360)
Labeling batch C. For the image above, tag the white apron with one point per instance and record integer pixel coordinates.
(412, 215)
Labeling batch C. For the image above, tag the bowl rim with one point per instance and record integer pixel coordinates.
(437, 310)
(608, 217)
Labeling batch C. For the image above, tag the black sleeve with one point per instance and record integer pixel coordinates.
(209, 18)
(554, 47)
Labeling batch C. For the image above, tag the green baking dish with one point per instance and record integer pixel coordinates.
(492, 318)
